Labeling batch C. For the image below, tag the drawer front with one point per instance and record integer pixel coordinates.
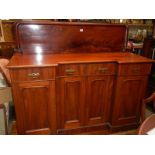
(32, 74)
(70, 70)
(134, 69)
(101, 69)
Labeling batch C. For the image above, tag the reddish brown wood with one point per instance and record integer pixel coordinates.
(130, 90)
(84, 101)
(104, 128)
(92, 90)
(48, 60)
(70, 69)
(84, 97)
(67, 37)
(35, 107)
(98, 99)
(134, 69)
(71, 103)
(24, 74)
(101, 69)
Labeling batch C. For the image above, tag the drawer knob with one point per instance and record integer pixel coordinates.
(70, 71)
(103, 70)
(34, 75)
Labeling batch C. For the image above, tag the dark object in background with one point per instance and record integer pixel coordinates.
(6, 49)
(12, 115)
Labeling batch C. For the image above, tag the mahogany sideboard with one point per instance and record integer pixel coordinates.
(60, 92)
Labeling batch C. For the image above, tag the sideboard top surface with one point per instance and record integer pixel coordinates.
(64, 37)
(37, 60)
(41, 44)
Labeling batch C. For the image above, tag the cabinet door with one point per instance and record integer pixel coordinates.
(99, 96)
(70, 102)
(35, 107)
(130, 91)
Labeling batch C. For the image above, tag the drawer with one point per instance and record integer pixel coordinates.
(134, 69)
(32, 74)
(70, 70)
(101, 69)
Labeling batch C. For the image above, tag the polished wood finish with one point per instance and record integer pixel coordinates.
(70, 69)
(74, 78)
(57, 37)
(101, 69)
(34, 111)
(97, 91)
(130, 90)
(134, 69)
(71, 103)
(98, 99)
(49, 60)
(28, 74)
(78, 104)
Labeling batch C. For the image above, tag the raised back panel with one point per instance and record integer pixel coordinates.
(38, 37)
